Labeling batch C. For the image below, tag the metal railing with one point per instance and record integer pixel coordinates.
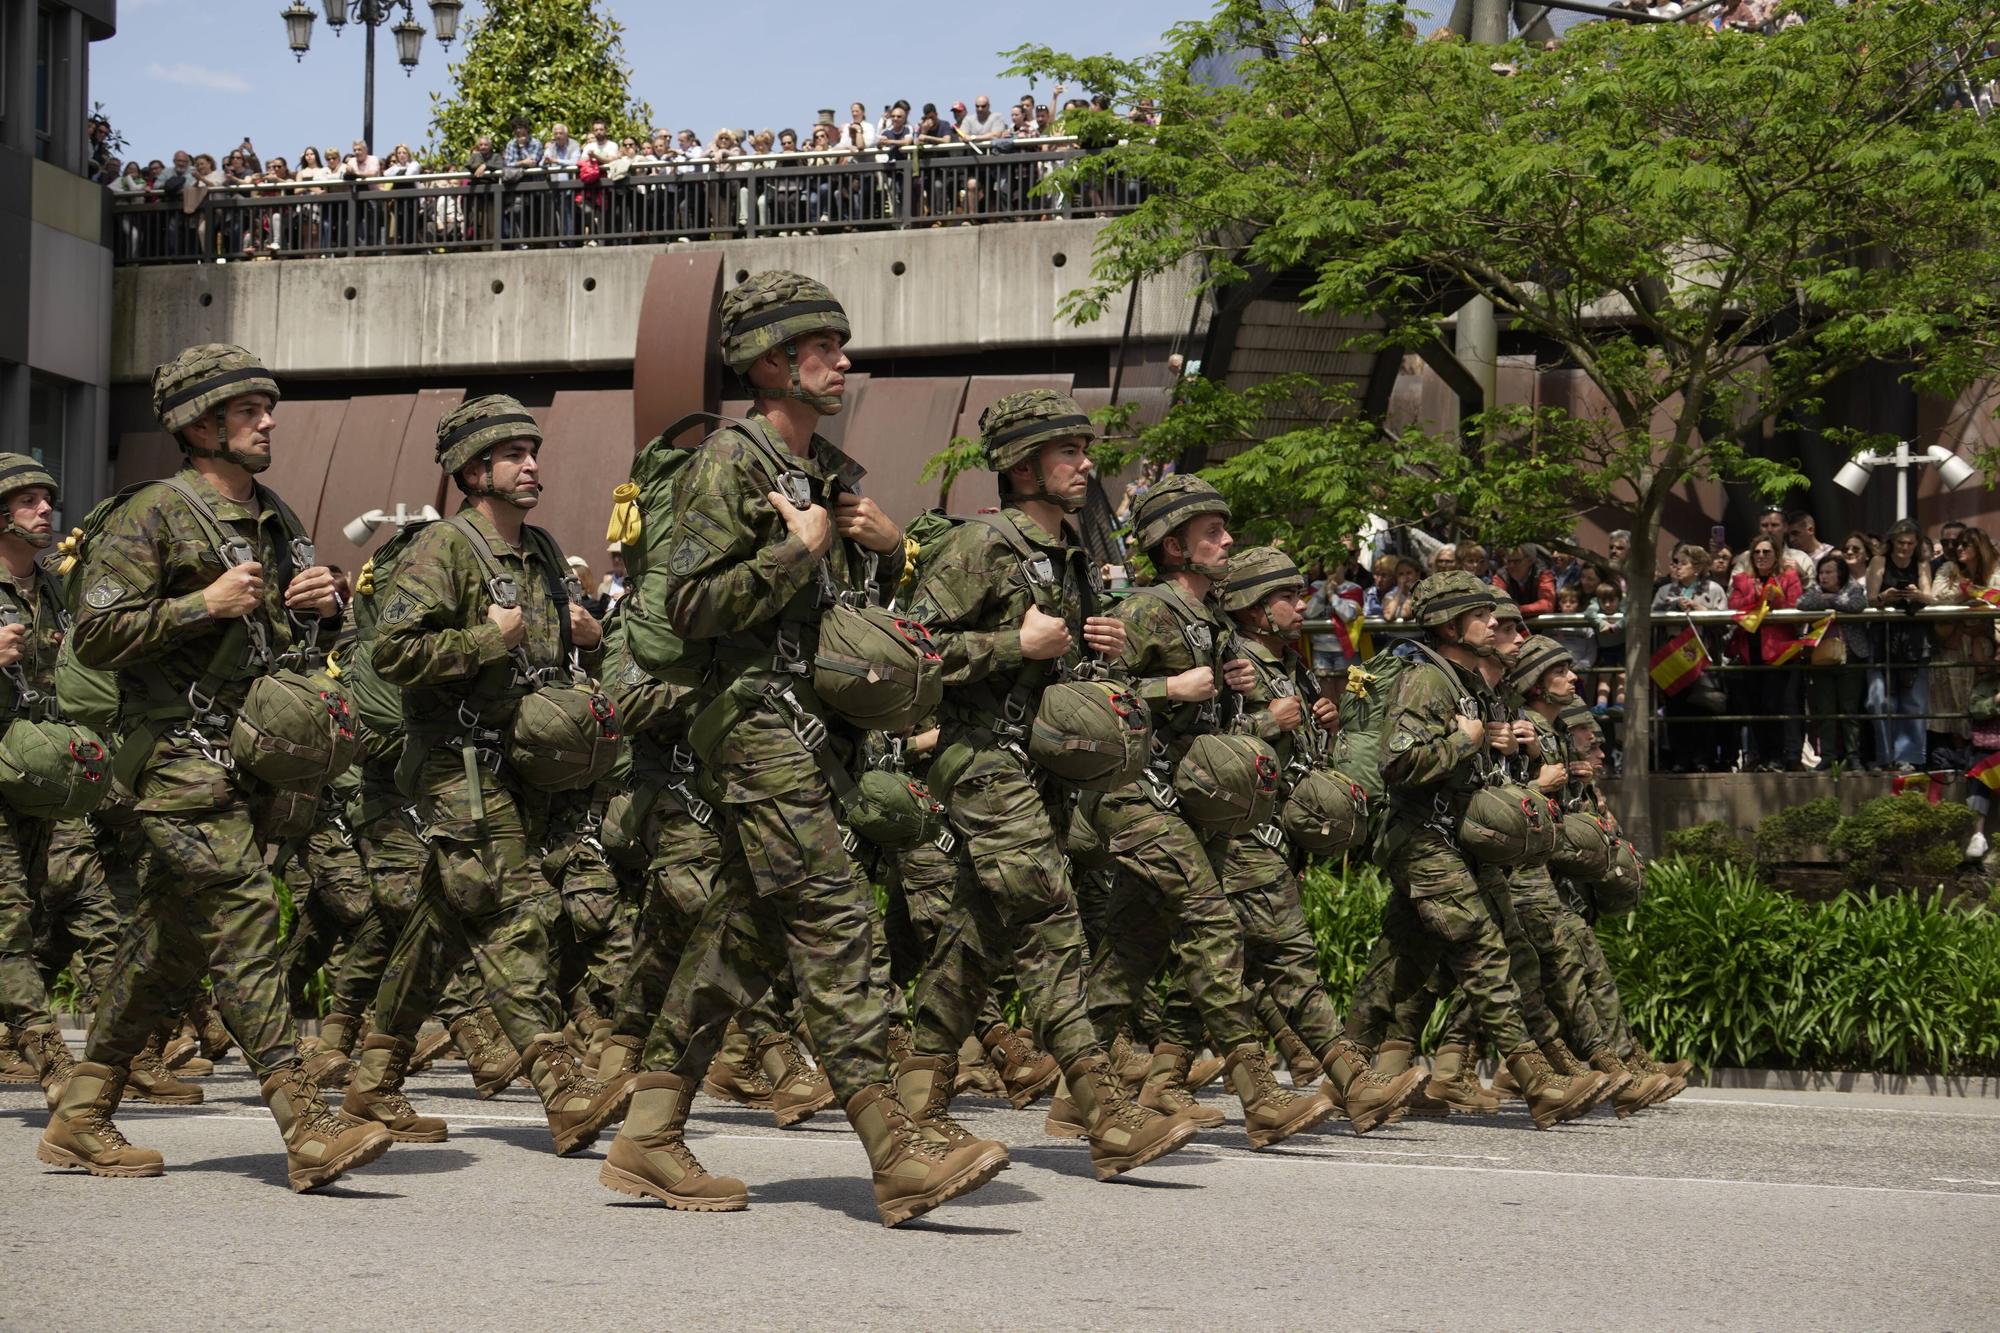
(647, 203)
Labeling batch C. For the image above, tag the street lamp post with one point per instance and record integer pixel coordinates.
(372, 14)
(1953, 471)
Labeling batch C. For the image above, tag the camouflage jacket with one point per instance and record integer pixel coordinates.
(434, 640)
(37, 601)
(1426, 753)
(973, 592)
(142, 613)
(1279, 672)
(1166, 633)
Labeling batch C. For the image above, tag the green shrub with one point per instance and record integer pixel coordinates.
(1343, 905)
(1786, 835)
(1714, 843)
(1902, 835)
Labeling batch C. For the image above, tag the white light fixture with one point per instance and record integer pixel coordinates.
(1953, 471)
(1853, 476)
(360, 528)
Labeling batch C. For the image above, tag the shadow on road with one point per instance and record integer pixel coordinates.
(851, 1197)
(1072, 1162)
(268, 1168)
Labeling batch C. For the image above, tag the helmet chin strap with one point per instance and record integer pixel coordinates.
(825, 404)
(486, 489)
(251, 463)
(39, 540)
(1042, 492)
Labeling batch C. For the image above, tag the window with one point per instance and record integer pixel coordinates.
(45, 79)
(48, 424)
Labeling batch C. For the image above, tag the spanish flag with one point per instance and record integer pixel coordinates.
(1987, 771)
(1990, 596)
(1680, 663)
(1806, 642)
(1749, 621)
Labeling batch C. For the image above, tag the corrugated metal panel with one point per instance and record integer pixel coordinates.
(676, 367)
(302, 455)
(588, 453)
(895, 429)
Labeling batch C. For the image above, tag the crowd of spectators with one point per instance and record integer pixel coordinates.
(907, 165)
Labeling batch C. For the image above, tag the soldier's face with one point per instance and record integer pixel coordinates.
(247, 424)
(1507, 638)
(1206, 540)
(1559, 682)
(1476, 628)
(31, 510)
(1285, 610)
(516, 473)
(823, 365)
(1066, 470)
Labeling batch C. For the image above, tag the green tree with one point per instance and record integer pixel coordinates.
(544, 60)
(1712, 228)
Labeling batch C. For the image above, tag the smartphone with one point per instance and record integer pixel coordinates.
(1717, 536)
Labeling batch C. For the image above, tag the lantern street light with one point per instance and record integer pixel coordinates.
(372, 14)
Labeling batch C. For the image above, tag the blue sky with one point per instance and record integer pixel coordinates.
(201, 76)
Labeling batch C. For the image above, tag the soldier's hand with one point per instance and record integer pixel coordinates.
(1239, 675)
(1529, 739)
(860, 519)
(13, 642)
(1550, 777)
(1474, 729)
(1043, 636)
(1327, 714)
(584, 631)
(1582, 770)
(1288, 711)
(237, 593)
(508, 618)
(1196, 685)
(1104, 634)
(1502, 739)
(810, 525)
(924, 741)
(313, 590)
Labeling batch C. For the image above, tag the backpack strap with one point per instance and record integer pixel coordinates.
(547, 553)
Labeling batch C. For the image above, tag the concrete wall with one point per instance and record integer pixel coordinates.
(922, 291)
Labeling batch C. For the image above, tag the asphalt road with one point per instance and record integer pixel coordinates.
(1722, 1210)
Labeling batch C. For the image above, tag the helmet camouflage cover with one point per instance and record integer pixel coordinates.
(1444, 597)
(1537, 656)
(1257, 573)
(1014, 428)
(1171, 502)
(470, 429)
(770, 309)
(19, 471)
(204, 377)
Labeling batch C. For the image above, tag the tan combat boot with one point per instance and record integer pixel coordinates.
(797, 1089)
(736, 1075)
(1368, 1099)
(1026, 1070)
(1676, 1083)
(320, 1143)
(923, 1086)
(976, 1075)
(1131, 1063)
(912, 1174)
(650, 1158)
(1122, 1133)
(1298, 1057)
(49, 1054)
(215, 1038)
(1204, 1070)
(1271, 1112)
(1165, 1090)
(183, 1055)
(1393, 1059)
(1551, 1098)
(80, 1132)
(900, 1043)
(1633, 1092)
(498, 1063)
(1563, 1060)
(329, 1056)
(620, 1057)
(578, 1106)
(428, 1050)
(1065, 1119)
(15, 1067)
(152, 1081)
(1454, 1081)
(375, 1093)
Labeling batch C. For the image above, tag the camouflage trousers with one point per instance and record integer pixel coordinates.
(689, 863)
(1167, 902)
(917, 888)
(797, 906)
(482, 898)
(1280, 958)
(1550, 968)
(1010, 901)
(205, 905)
(335, 913)
(593, 929)
(1524, 965)
(81, 916)
(1437, 915)
(1599, 985)
(24, 864)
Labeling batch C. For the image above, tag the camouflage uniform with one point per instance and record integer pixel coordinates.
(1013, 900)
(484, 895)
(594, 933)
(737, 579)
(24, 841)
(334, 903)
(206, 900)
(91, 864)
(1168, 897)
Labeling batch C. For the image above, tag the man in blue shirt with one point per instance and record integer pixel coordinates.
(523, 152)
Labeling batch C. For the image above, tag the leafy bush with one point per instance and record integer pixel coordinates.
(1903, 834)
(1786, 835)
(1344, 909)
(1714, 843)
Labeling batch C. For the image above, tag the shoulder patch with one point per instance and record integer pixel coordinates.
(104, 593)
(399, 609)
(1401, 741)
(687, 556)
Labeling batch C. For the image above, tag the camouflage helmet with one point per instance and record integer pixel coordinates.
(1444, 597)
(1506, 608)
(1171, 502)
(1576, 715)
(1014, 428)
(1537, 657)
(770, 309)
(471, 428)
(18, 472)
(1257, 573)
(205, 377)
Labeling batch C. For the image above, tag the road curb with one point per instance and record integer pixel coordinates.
(1817, 1080)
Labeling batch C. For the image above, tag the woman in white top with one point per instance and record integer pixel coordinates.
(403, 212)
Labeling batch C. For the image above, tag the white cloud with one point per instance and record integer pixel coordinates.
(198, 76)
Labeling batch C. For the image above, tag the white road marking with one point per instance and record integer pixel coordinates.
(1992, 1112)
